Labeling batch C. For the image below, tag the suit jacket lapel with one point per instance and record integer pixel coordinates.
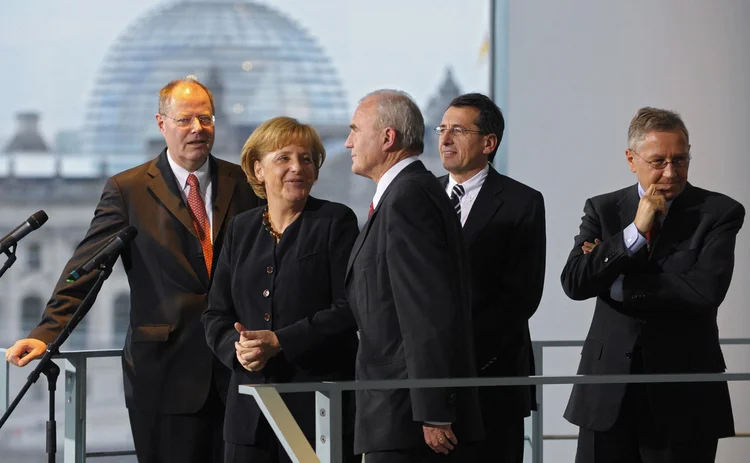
(680, 223)
(223, 185)
(628, 205)
(164, 187)
(488, 203)
(413, 167)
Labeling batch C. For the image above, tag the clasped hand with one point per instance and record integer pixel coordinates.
(255, 348)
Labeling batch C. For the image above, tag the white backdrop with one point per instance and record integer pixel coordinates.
(577, 72)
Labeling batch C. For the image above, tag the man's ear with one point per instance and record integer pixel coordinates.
(490, 142)
(629, 155)
(389, 138)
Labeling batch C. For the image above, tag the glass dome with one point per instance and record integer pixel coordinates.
(257, 62)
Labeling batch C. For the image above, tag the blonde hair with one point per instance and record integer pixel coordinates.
(272, 135)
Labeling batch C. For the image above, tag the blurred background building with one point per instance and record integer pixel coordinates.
(259, 63)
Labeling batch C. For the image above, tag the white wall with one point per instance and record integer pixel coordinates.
(578, 71)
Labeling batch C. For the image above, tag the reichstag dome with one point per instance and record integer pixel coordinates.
(258, 63)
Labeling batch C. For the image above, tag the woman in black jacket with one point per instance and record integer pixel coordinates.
(277, 310)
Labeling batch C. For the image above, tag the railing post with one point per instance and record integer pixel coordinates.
(4, 386)
(75, 409)
(282, 423)
(328, 426)
(537, 417)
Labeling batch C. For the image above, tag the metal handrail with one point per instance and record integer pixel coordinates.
(328, 395)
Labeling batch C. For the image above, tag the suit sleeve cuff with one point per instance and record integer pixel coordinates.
(633, 239)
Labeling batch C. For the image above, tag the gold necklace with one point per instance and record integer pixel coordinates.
(269, 226)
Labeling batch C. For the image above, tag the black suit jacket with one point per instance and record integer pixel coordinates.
(671, 298)
(167, 365)
(506, 240)
(407, 283)
(305, 307)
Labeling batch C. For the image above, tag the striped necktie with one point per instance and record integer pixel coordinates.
(458, 193)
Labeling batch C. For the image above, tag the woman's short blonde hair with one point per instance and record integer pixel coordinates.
(275, 134)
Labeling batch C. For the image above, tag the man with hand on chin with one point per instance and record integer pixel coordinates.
(658, 256)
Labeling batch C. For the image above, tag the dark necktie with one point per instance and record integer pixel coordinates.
(458, 193)
(200, 220)
(653, 233)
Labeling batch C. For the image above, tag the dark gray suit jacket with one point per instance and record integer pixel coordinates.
(671, 298)
(506, 240)
(407, 283)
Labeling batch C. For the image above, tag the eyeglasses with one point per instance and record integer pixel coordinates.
(456, 131)
(661, 164)
(204, 121)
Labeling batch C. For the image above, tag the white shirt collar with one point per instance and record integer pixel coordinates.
(203, 173)
(388, 177)
(471, 186)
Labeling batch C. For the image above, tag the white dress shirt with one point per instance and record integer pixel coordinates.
(388, 177)
(204, 181)
(471, 191)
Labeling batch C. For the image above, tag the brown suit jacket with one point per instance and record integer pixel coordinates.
(167, 365)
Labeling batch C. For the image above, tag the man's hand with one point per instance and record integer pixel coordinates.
(255, 348)
(653, 204)
(24, 351)
(439, 437)
(588, 247)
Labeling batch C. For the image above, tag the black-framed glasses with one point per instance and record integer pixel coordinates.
(456, 131)
(204, 121)
(661, 164)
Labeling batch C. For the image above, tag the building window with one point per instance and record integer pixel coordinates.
(31, 309)
(121, 316)
(34, 256)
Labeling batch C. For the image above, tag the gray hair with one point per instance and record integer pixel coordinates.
(653, 120)
(397, 109)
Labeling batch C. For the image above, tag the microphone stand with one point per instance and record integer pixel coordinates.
(47, 367)
(11, 253)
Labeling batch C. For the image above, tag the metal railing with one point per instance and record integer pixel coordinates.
(328, 401)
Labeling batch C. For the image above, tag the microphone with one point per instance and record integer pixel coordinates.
(110, 251)
(31, 224)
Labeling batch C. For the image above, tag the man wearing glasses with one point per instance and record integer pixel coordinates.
(658, 256)
(180, 203)
(504, 232)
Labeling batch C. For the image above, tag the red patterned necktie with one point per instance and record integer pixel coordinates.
(200, 220)
(370, 211)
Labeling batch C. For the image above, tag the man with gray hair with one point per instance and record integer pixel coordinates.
(407, 283)
(658, 256)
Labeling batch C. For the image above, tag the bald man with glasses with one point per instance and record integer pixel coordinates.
(658, 257)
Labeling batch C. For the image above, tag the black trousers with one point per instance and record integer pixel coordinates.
(463, 453)
(504, 440)
(269, 450)
(193, 438)
(636, 438)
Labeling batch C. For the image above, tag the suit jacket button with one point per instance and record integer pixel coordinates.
(269, 270)
(628, 355)
(606, 259)
(266, 293)
(267, 317)
(452, 398)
